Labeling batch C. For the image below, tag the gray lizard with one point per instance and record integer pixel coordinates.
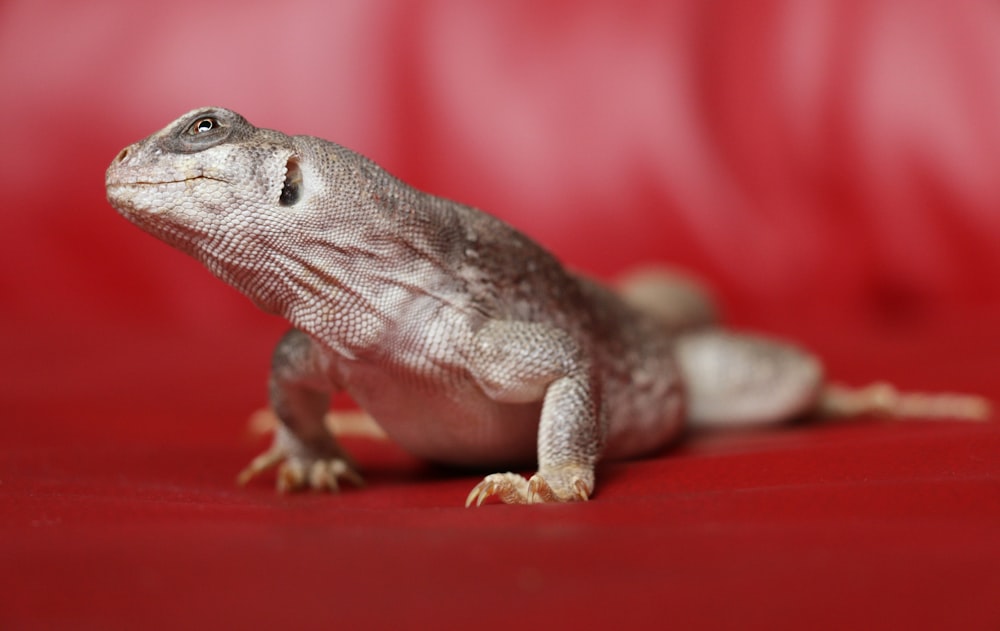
(466, 342)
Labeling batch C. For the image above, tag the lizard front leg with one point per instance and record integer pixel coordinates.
(305, 451)
(521, 362)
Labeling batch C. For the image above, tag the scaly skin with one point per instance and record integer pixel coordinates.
(463, 339)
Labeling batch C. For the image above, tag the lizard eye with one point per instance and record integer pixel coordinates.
(203, 125)
(204, 130)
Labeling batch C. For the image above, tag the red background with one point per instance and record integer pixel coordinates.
(831, 167)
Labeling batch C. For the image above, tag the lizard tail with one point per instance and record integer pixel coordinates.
(882, 399)
(738, 380)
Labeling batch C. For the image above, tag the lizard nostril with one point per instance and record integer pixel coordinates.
(122, 156)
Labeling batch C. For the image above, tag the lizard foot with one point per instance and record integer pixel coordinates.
(297, 472)
(570, 485)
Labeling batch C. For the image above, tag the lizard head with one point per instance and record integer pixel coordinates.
(204, 172)
(212, 185)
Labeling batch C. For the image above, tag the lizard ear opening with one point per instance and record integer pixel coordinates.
(291, 190)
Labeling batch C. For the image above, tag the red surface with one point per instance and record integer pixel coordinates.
(829, 166)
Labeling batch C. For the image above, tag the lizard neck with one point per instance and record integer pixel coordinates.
(347, 297)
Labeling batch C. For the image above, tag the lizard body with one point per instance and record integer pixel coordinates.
(465, 341)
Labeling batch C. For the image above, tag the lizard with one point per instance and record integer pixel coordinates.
(464, 340)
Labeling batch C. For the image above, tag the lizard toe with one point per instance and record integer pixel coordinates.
(509, 488)
(267, 460)
(291, 475)
(325, 475)
(560, 487)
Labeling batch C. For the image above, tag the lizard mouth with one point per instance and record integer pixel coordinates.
(125, 194)
(185, 180)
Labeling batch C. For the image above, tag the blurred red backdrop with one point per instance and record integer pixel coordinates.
(829, 166)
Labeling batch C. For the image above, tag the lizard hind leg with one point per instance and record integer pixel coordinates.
(736, 380)
(674, 297)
